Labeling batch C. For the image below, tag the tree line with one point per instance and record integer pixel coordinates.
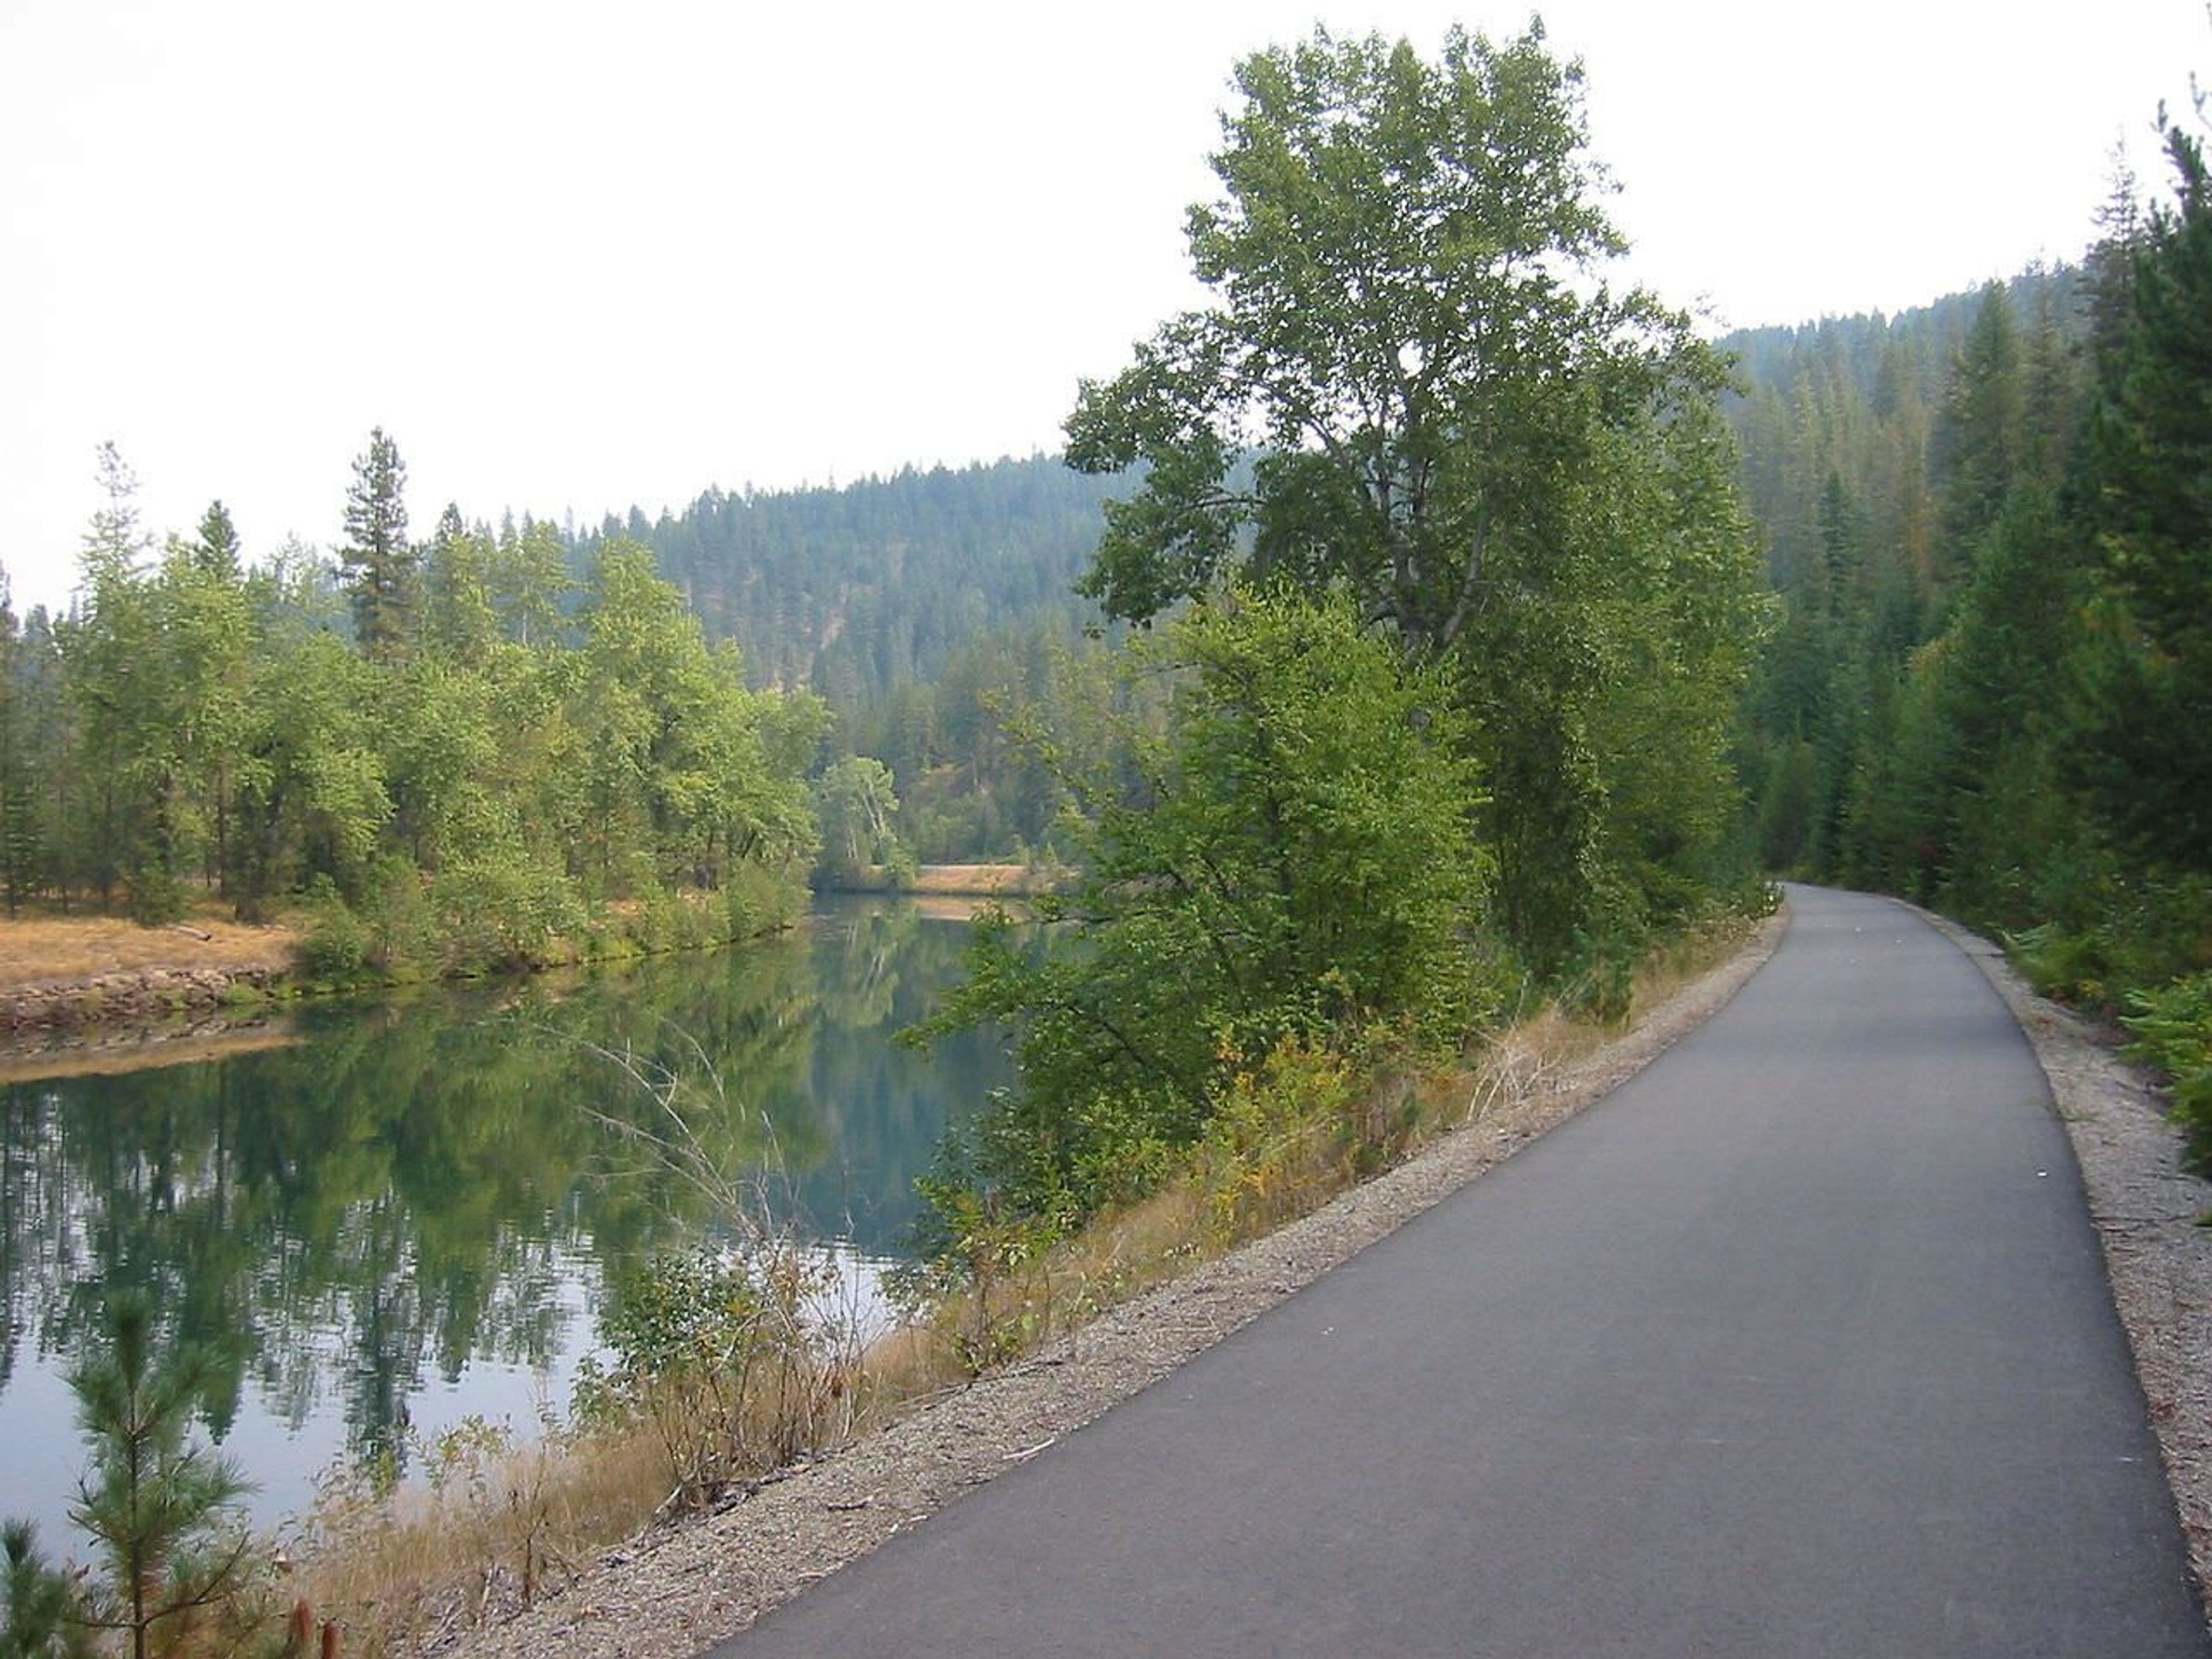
(461, 754)
(1990, 684)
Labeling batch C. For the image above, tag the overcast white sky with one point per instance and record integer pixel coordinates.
(573, 257)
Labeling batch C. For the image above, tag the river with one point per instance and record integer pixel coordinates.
(384, 1217)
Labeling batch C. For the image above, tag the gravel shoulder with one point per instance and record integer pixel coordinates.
(672, 1592)
(2146, 1208)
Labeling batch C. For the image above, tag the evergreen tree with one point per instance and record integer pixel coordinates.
(44, 1618)
(19, 840)
(161, 1511)
(382, 567)
(2145, 751)
(459, 623)
(1980, 439)
(216, 548)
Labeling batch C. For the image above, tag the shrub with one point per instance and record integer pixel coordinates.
(334, 945)
(734, 1358)
(2172, 1029)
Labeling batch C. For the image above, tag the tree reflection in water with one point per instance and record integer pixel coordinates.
(415, 1189)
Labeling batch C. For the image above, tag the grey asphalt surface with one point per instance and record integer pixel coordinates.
(1797, 1344)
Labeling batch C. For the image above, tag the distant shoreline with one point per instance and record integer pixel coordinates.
(961, 881)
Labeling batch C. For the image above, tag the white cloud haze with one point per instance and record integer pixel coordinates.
(577, 257)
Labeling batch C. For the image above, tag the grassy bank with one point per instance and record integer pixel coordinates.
(63, 973)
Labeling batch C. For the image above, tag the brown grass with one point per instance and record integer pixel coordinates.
(497, 1521)
(983, 880)
(51, 949)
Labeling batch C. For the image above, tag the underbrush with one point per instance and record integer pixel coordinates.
(2148, 960)
(473, 920)
(2172, 1029)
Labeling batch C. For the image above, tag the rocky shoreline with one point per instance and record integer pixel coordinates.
(133, 1004)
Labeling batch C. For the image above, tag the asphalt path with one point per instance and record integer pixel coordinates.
(1799, 1343)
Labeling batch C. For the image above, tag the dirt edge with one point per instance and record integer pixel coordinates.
(675, 1592)
(2145, 1207)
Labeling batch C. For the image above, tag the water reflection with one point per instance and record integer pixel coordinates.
(408, 1213)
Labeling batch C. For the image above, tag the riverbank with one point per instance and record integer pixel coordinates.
(961, 880)
(71, 981)
(673, 1589)
(62, 975)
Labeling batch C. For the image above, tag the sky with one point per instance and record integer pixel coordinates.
(575, 256)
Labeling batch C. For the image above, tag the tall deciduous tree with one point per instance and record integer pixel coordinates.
(1416, 384)
(382, 568)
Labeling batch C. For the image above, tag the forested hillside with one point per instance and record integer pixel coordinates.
(921, 607)
(851, 592)
(1990, 682)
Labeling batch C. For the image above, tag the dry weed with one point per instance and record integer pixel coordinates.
(55, 950)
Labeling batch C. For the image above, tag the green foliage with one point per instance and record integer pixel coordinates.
(2144, 755)
(2172, 1029)
(45, 1616)
(878, 588)
(335, 948)
(720, 1353)
(1414, 385)
(451, 796)
(855, 805)
(160, 1511)
(1992, 686)
(383, 568)
(1296, 855)
(1285, 1132)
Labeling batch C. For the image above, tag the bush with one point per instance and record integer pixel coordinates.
(728, 1356)
(2172, 1029)
(1284, 1136)
(335, 946)
(502, 913)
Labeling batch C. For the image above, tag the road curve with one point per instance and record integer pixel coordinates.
(1799, 1343)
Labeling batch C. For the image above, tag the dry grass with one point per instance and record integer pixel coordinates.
(982, 880)
(51, 949)
(497, 1521)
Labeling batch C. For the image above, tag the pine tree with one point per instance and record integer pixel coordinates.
(19, 845)
(383, 570)
(1982, 428)
(2145, 751)
(216, 552)
(42, 1614)
(160, 1511)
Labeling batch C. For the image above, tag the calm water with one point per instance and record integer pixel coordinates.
(402, 1213)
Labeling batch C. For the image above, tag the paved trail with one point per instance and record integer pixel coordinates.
(1798, 1343)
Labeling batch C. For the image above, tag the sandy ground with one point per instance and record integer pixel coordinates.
(672, 1592)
